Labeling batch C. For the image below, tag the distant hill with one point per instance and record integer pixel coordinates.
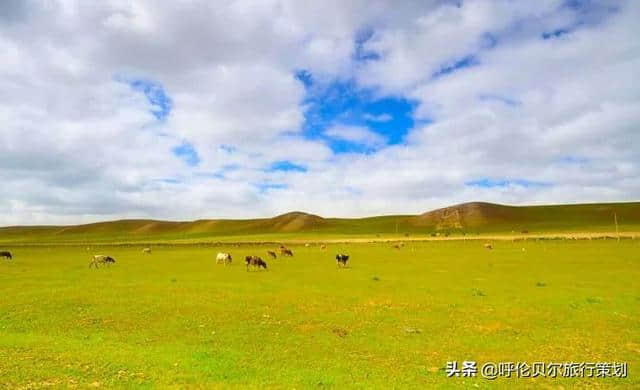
(466, 218)
(480, 216)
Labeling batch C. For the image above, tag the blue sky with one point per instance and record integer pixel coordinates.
(286, 166)
(341, 102)
(161, 102)
(187, 153)
(362, 108)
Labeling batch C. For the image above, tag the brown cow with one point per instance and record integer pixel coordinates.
(272, 254)
(255, 262)
(286, 252)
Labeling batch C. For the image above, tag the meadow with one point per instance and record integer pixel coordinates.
(392, 319)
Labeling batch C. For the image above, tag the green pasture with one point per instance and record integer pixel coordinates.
(392, 319)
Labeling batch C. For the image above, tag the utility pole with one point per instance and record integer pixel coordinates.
(615, 219)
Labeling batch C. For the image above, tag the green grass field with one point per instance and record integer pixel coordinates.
(391, 320)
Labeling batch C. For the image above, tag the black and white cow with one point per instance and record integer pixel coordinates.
(341, 259)
(223, 258)
(6, 255)
(101, 259)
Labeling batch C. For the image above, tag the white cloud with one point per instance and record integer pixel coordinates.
(78, 145)
(377, 118)
(355, 134)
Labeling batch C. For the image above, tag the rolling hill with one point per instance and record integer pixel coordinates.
(489, 217)
(466, 218)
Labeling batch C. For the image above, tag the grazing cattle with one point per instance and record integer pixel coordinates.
(396, 246)
(147, 251)
(223, 258)
(286, 252)
(323, 246)
(101, 259)
(488, 246)
(6, 255)
(255, 262)
(341, 259)
(272, 254)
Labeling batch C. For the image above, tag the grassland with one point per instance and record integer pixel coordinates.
(391, 320)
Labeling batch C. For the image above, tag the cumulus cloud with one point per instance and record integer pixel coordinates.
(355, 134)
(116, 109)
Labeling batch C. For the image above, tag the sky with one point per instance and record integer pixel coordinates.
(239, 109)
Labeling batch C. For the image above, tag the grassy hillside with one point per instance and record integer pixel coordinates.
(468, 218)
(488, 217)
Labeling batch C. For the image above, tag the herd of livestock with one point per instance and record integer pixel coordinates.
(251, 261)
(256, 262)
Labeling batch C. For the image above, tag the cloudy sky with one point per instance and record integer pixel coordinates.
(201, 109)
